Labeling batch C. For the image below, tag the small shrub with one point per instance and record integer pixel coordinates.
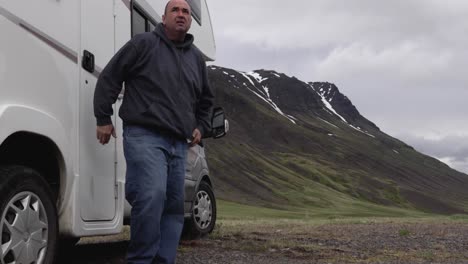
(404, 232)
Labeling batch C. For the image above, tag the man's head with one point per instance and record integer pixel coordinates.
(177, 17)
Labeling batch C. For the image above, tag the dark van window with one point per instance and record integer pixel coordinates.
(140, 23)
(195, 5)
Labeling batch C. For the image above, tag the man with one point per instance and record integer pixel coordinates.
(167, 103)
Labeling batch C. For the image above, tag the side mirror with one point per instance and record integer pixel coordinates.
(219, 124)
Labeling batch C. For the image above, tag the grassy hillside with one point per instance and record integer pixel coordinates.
(320, 162)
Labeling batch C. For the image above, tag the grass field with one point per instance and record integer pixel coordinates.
(350, 209)
(247, 234)
(388, 235)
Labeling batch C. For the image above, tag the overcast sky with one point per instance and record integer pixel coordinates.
(403, 63)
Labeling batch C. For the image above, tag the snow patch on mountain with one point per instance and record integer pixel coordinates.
(330, 108)
(257, 77)
(274, 106)
(248, 78)
(266, 91)
(266, 96)
(322, 93)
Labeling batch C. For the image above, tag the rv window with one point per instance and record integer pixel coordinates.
(141, 23)
(151, 26)
(196, 10)
(138, 22)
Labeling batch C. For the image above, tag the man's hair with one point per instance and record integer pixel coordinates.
(167, 4)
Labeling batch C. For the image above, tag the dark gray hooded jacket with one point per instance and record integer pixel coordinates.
(166, 86)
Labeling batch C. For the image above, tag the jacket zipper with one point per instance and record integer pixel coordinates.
(179, 66)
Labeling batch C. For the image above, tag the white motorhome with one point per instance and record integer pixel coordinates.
(55, 179)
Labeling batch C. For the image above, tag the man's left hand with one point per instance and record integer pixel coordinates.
(196, 137)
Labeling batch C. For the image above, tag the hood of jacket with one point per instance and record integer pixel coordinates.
(161, 32)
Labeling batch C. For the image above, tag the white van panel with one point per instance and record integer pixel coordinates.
(58, 19)
(97, 162)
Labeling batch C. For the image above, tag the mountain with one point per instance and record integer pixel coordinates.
(304, 146)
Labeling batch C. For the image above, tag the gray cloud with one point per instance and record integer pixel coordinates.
(332, 22)
(247, 57)
(402, 62)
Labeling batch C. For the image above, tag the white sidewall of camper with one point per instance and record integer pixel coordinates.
(39, 80)
(57, 19)
(38, 91)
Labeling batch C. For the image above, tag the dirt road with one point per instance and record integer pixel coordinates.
(302, 242)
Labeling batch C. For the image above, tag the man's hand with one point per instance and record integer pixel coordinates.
(103, 133)
(196, 137)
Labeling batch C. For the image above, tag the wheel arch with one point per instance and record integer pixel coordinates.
(34, 139)
(206, 179)
(36, 152)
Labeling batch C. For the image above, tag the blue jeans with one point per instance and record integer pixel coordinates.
(155, 189)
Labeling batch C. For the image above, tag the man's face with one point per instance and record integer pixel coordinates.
(178, 16)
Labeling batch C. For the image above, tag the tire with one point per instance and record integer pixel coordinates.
(28, 217)
(67, 244)
(203, 214)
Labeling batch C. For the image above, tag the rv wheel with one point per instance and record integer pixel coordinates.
(28, 222)
(203, 215)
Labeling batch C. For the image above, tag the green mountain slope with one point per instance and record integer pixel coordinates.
(305, 147)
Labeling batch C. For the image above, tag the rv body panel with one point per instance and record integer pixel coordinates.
(97, 162)
(58, 20)
(39, 82)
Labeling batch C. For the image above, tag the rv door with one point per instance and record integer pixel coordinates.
(97, 175)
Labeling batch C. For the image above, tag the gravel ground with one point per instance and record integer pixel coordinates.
(389, 242)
